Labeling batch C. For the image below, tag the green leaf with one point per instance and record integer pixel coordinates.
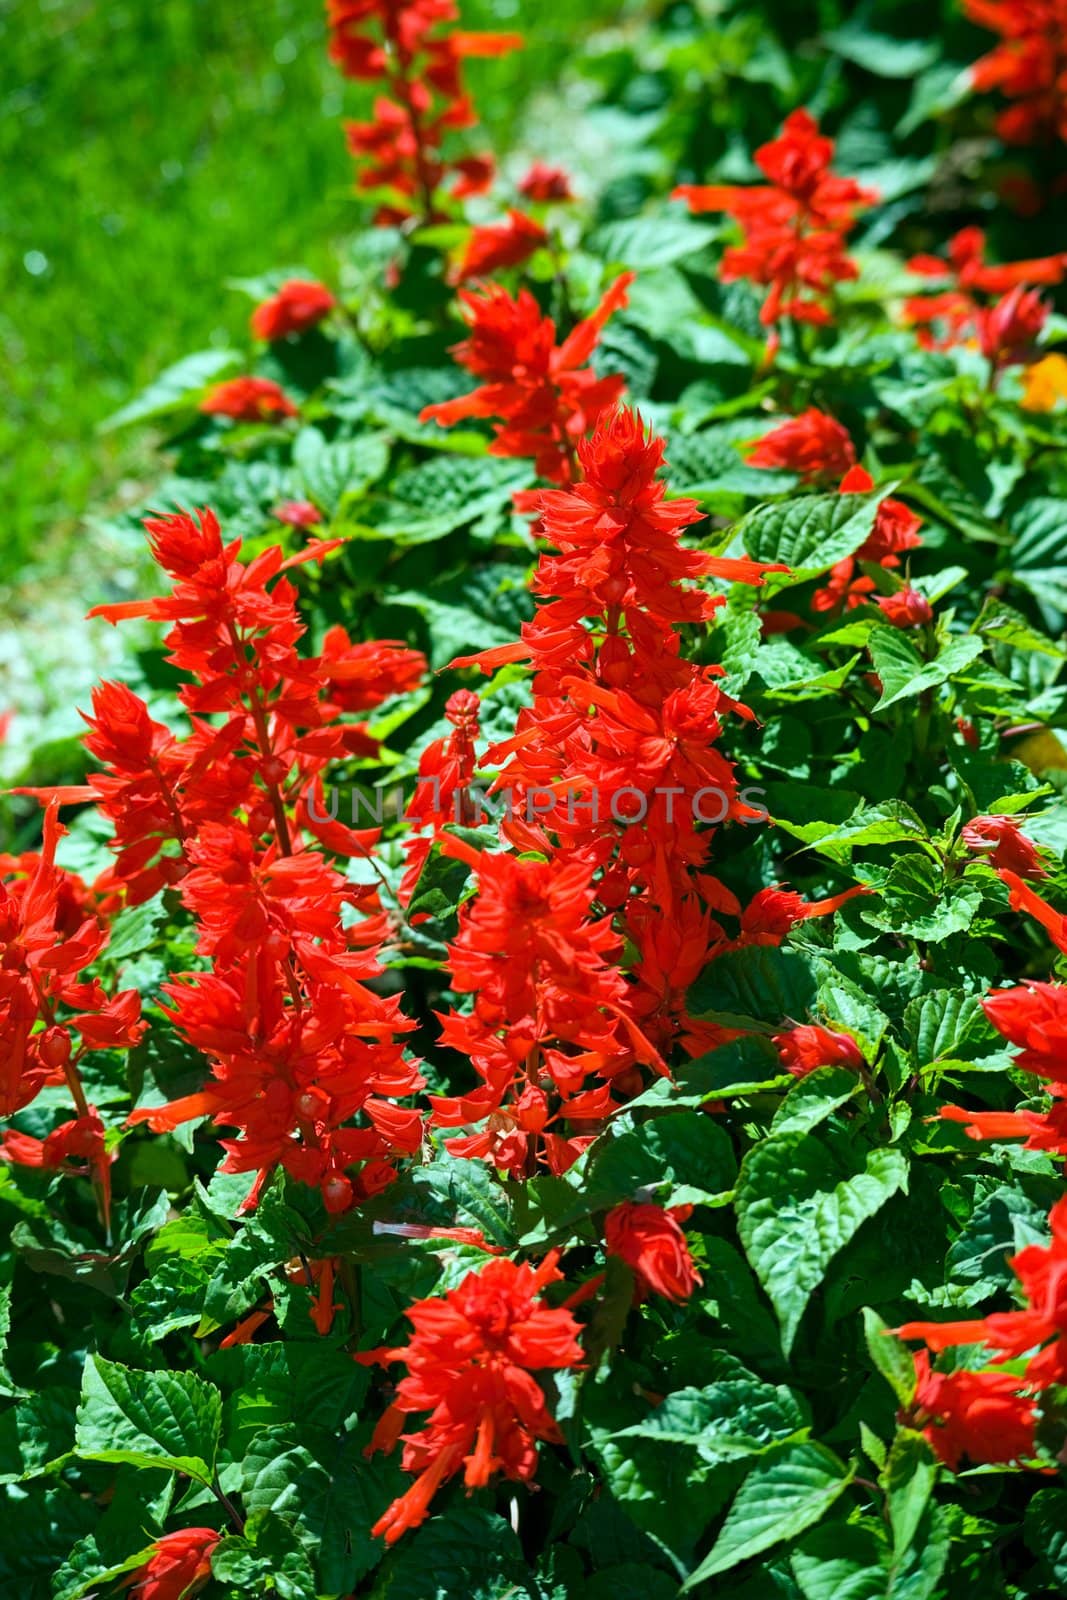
(727, 1421)
(267, 1557)
(149, 1419)
(841, 1562)
(323, 1488)
(917, 901)
(890, 1355)
(653, 241)
(783, 1494)
(467, 1554)
(814, 1098)
(1045, 1531)
(684, 1155)
(333, 471)
(909, 1479)
(474, 1195)
(810, 533)
(881, 53)
(903, 671)
(793, 1219)
(134, 929)
(179, 385)
(36, 1432)
(888, 822)
(757, 982)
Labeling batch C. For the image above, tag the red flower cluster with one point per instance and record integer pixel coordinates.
(446, 771)
(544, 183)
(813, 444)
(1028, 67)
(400, 44)
(550, 1010)
(248, 400)
(989, 1415)
(299, 304)
(816, 446)
(49, 1015)
(546, 394)
(651, 1242)
(1001, 841)
(499, 244)
(179, 1568)
(1033, 1018)
(907, 608)
(622, 729)
(470, 1364)
(794, 228)
(804, 1049)
(300, 1045)
(952, 311)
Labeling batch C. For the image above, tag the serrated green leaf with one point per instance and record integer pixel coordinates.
(890, 1355)
(794, 1218)
(810, 534)
(150, 1419)
(784, 1493)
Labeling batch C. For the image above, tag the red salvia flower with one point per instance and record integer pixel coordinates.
(803, 1049)
(499, 244)
(1001, 841)
(907, 608)
(545, 393)
(544, 183)
(298, 514)
(307, 1058)
(989, 1415)
(299, 304)
(248, 400)
(1007, 330)
(1029, 66)
(651, 1242)
(1033, 1018)
(470, 1364)
(813, 444)
(794, 229)
(179, 1568)
(979, 1417)
(410, 48)
(952, 310)
(896, 529)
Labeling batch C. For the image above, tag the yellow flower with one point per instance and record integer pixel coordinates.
(1044, 383)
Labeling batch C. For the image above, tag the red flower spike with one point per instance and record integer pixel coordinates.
(248, 400)
(299, 304)
(978, 1417)
(307, 1059)
(905, 609)
(952, 312)
(896, 529)
(470, 1363)
(497, 245)
(812, 444)
(1029, 66)
(1001, 841)
(179, 1568)
(793, 230)
(546, 183)
(544, 393)
(409, 48)
(806, 1048)
(651, 1242)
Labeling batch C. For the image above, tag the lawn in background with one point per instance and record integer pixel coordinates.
(152, 149)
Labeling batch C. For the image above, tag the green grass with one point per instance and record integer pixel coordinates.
(151, 150)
